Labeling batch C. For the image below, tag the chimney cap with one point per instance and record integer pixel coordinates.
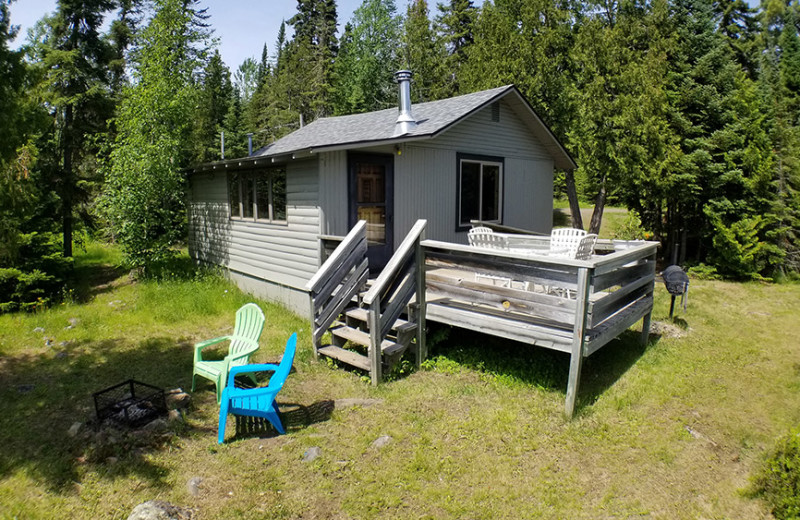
(402, 75)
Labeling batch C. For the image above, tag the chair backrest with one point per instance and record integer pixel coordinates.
(566, 238)
(480, 229)
(586, 247)
(246, 331)
(285, 366)
(485, 237)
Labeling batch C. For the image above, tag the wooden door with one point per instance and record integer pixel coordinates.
(371, 190)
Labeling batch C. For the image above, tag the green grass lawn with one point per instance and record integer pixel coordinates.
(669, 432)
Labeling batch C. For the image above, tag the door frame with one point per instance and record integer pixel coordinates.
(378, 255)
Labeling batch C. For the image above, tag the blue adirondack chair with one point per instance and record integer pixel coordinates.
(257, 402)
(243, 342)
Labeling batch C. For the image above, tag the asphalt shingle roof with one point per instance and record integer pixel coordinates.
(432, 117)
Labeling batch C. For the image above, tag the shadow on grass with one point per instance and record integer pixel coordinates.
(514, 362)
(293, 416)
(43, 395)
(91, 280)
(561, 217)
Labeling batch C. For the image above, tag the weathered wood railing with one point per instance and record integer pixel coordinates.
(574, 306)
(338, 280)
(402, 277)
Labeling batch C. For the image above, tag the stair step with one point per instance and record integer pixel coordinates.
(360, 314)
(346, 356)
(362, 338)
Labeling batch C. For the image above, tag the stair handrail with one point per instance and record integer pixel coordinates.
(338, 279)
(381, 321)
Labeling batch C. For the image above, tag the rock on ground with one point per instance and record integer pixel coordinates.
(159, 510)
(381, 441)
(177, 399)
(312, 454)
(193, 485)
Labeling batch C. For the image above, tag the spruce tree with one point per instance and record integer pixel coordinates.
(424, 54)
(75, 84)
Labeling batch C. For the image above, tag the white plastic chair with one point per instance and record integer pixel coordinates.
(485, 237)
(564, 242)
(586, 247)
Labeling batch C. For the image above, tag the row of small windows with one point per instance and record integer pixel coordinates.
(258, 195)
(262, 195)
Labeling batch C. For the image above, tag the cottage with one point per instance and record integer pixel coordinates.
(482, 156)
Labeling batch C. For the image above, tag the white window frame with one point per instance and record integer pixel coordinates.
(482, 161)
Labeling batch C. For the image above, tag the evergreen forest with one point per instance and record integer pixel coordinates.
(685, 112)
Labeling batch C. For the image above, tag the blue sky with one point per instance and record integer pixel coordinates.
(242, 26)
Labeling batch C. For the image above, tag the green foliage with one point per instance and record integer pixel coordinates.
(740, 251)
(73, 59)
(368, 59)
(37, 276)
(631, 228)
(144, 197)
(423, 53)
(779, 481)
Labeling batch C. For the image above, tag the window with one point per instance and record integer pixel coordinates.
(259, 196)
(480, 185)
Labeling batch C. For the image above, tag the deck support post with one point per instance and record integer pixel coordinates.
(314, 340)
(578, 338)
(422, 347)
(375, 352)
(646, 328)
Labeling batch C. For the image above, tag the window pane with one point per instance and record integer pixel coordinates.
(262, 196)
(233, 194)
(371, 179)
(279, 194)
(247, 195)
(470, 191)
(490, 201)
(376, 223)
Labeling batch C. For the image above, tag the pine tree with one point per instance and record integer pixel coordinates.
(216, 93)
(456, 25)
(424, 54)
(74, 61)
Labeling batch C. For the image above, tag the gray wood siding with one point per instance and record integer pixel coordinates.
(287, 254)
(478, 134)
(425, 177)
(333, 192)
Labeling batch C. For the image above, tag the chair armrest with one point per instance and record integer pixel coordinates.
(233, 357)
(231, 392)
(207, 343)
(245, 369)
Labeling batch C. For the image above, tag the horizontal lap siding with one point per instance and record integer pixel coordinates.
(287, 254)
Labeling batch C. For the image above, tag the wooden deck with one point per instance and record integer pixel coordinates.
(573, 306)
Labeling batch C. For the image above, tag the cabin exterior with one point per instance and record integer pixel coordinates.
(483, 156)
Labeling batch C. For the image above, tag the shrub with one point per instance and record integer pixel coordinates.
(779, 481)
(37, 275)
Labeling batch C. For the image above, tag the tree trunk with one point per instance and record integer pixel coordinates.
(574, 205)
(599, 205)
(66, 182)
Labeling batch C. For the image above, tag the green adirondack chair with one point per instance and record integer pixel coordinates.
(243, 342)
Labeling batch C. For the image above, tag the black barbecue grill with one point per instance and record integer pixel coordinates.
(677, 283)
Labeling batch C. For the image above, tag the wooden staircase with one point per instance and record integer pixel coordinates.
(361, 315)
(354, 330)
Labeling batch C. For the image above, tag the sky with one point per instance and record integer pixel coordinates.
(242, 26)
